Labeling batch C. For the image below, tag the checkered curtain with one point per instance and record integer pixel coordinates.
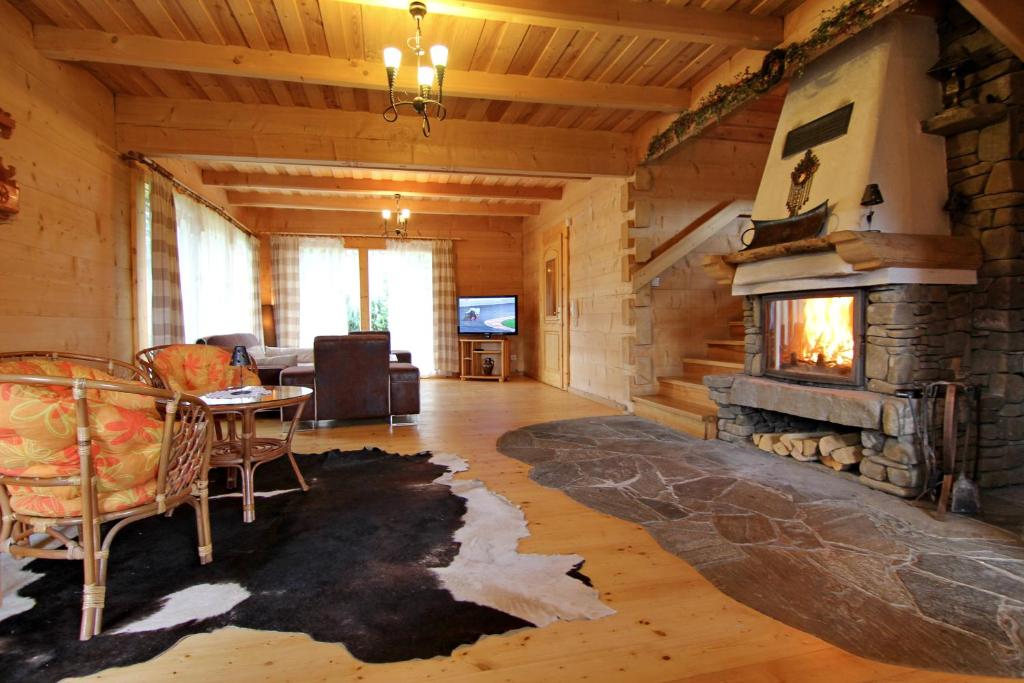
(284, 260)
(446, 328)
(168, 318)
(257, 303)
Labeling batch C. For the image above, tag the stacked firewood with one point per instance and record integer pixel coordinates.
(838, 451)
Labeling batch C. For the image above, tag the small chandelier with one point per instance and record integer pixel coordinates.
(423, 103)
(399, 229)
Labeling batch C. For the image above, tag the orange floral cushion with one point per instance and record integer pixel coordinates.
(37, 439)
(200, 369)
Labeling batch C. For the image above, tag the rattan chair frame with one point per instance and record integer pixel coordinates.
(182, 477)
(146, 359)
(117, 368)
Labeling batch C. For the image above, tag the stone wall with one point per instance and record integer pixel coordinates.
(986, 179)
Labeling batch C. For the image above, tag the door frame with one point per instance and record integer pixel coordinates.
(559, 234)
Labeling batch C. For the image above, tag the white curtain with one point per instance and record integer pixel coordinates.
(219, 273)
(328, 287)
(401, 278)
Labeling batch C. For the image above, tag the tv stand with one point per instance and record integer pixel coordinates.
(473, 353)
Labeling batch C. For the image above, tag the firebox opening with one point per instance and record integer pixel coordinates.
(815, 337)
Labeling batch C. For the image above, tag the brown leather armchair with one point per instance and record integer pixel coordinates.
(400, 356)
(353, 379)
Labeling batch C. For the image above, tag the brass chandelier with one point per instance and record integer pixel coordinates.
(424, 103)
(400, 228)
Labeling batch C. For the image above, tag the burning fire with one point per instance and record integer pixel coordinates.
(827, 331)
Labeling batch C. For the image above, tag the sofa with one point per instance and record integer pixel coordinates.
(270, 360)
(353, 378)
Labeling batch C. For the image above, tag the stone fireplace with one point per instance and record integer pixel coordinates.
(843, 331)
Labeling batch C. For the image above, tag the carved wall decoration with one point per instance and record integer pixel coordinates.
(9, 192)
(801, 177)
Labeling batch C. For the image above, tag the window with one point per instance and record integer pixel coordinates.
(329, 289)
(219, 267)
(402, 298)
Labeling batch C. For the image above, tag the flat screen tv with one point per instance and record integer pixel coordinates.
(488, 314)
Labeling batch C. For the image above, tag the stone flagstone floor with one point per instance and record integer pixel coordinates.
(863, 570)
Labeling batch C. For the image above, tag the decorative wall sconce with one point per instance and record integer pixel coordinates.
(951, 71)
(872, 197)
(9, 192)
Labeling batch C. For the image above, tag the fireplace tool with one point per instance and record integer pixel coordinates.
(961, 496)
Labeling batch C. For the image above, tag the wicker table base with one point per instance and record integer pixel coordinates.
(245, 452)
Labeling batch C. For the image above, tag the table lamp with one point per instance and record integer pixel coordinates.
(240, 359)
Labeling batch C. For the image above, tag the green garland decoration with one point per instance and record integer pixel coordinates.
(855, 14)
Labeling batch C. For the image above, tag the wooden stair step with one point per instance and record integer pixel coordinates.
(726, 349)
(708, 366)
(686, 390)
(689, 418)
(737, 330)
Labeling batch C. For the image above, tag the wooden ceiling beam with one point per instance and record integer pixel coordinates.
(302, 221)
(277, 200)
(80, 45)
(1004, 18)
(231, 131)
(407, 188)
(642, 19)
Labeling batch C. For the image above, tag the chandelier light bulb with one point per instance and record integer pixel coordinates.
(392, 57)
(439, 55)
(426, 75)
(386, 213)
(404, 215)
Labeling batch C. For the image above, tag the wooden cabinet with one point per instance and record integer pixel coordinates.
(475, 354)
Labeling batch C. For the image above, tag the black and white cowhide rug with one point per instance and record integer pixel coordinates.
(388, 555)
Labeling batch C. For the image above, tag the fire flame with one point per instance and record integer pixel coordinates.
(827, 331)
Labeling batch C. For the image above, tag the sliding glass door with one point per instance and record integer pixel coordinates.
(402, 298)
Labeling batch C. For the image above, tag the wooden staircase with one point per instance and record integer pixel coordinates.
(682, 402)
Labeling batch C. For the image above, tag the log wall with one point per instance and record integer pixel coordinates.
(66, 279)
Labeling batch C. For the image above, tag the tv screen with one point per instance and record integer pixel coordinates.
(488, 314)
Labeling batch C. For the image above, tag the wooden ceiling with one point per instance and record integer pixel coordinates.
(584, 65)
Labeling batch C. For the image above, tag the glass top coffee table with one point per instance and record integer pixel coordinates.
(246, 451)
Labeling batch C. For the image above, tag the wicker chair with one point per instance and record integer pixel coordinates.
(114, 368)
(167, 374)
(52, 487)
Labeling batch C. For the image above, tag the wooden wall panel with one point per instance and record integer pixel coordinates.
(66, 280)
(596, 334)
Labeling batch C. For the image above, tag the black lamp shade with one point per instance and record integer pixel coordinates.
(240, 357)
(872, 196)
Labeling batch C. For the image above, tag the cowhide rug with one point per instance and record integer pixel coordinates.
(388, 555)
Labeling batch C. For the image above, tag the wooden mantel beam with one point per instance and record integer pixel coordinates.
(80, 45)
(233, 131)
(406, 188)
(643, 19)
(277, 200)
(1004, 18)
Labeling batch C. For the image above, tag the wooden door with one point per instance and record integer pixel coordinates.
(554, 319)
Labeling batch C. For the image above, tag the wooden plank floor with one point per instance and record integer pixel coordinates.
(671, 625)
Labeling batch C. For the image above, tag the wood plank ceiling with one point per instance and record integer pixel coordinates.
(553, 49)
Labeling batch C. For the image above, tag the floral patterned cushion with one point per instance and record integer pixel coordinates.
(200, 369)
(37, 439)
